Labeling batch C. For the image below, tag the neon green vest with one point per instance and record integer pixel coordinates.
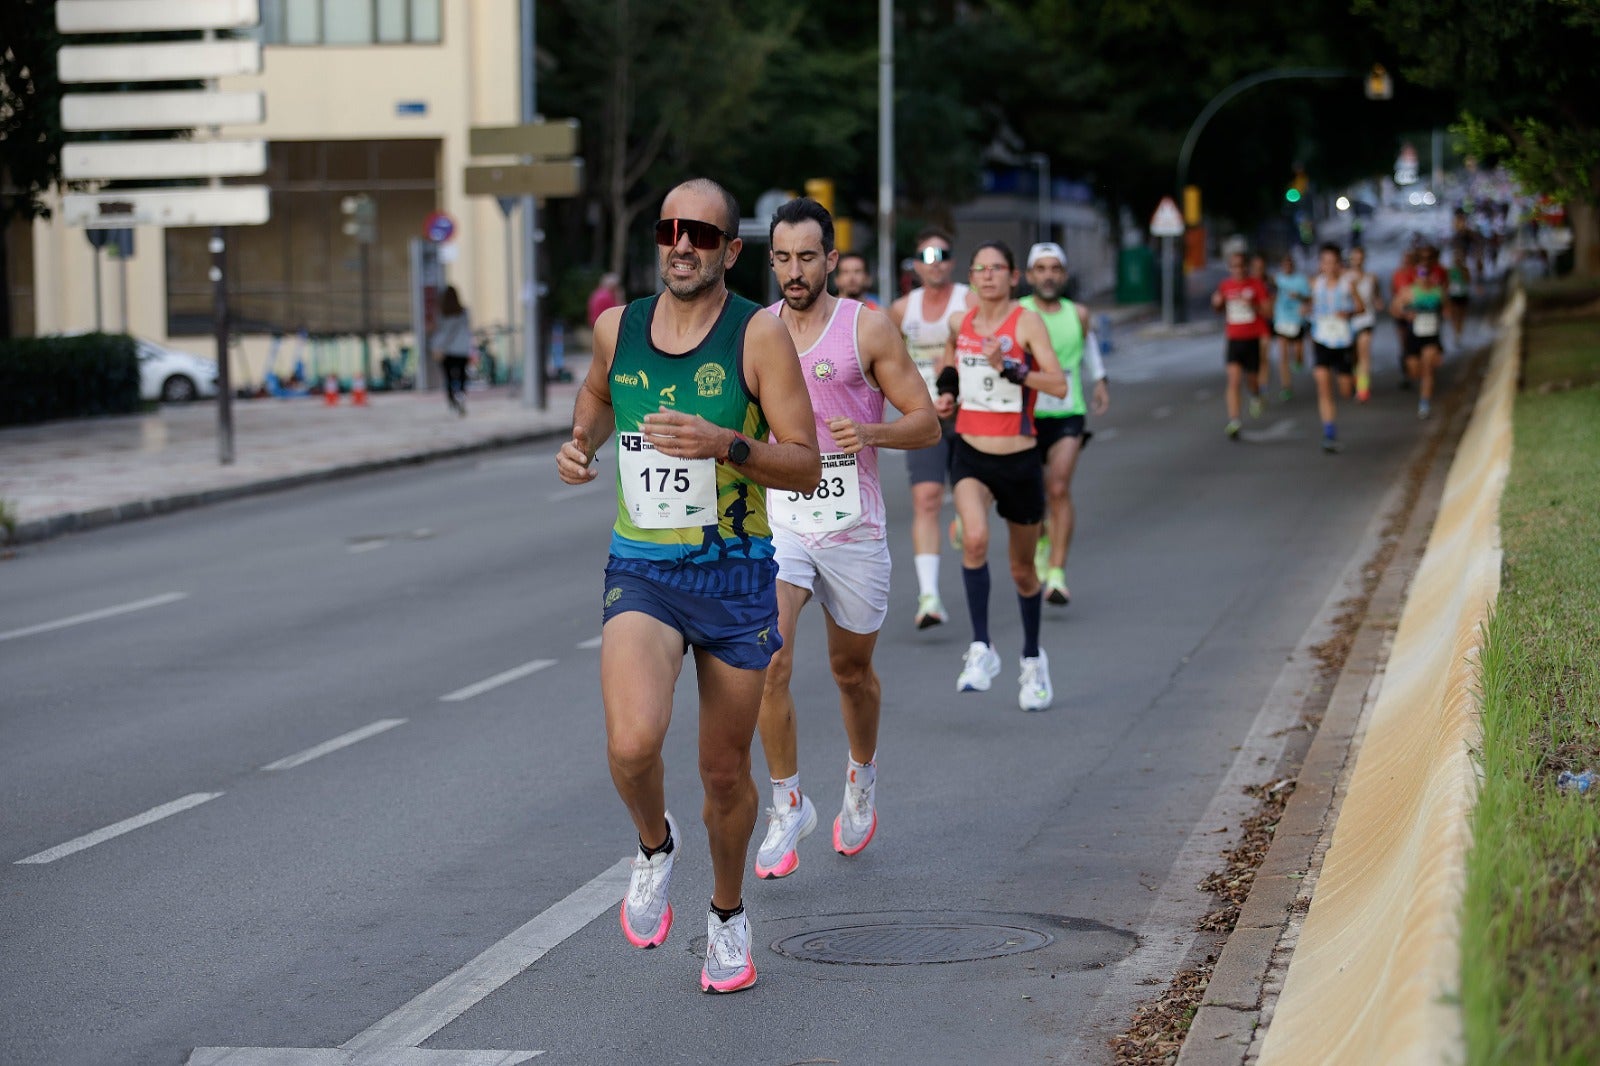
(1066, 337)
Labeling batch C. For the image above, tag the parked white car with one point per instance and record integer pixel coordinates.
(172, 376)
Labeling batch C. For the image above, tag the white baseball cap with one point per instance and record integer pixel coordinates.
(1046, 250)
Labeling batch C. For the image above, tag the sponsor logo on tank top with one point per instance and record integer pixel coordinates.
(669, 396)
(639, 380)
(823, 370)
(709, 378)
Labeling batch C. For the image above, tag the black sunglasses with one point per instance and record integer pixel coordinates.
(933, 254)
(703, 235)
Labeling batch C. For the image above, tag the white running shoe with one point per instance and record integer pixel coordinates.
(930, 610)
(1035, 692)
(646, 914)
(728, 967)
(778, 855)
(978, 667)
(858, 816)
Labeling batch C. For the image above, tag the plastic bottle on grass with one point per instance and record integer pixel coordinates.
(1581, 783)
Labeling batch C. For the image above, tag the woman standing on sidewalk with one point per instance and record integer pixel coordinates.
(451, 344)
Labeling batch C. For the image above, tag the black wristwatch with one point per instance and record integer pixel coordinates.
(738, 450)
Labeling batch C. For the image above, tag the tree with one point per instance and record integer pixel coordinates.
(1524, 72)
(30, 122)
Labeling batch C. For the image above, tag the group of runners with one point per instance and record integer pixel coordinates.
(1337, 309)
(748, 485)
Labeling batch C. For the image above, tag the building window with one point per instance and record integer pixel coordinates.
(19, 276)
(300, 270)
(349, 22)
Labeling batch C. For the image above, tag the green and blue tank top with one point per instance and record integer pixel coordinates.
(733, 552)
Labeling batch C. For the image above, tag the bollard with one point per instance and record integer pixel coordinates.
(330, 391)
(358, 391)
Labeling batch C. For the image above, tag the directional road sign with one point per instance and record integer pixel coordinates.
(557, 138)
(110, 160)
(181, 110)
(228, 205)
(563, 177)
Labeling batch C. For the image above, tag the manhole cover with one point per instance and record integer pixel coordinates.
(913, 942)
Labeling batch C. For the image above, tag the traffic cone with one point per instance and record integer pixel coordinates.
(330, 391)
(358, 391)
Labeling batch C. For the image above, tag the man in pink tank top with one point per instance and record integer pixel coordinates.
(830, 543)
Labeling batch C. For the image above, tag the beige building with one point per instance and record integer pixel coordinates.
(362, 96)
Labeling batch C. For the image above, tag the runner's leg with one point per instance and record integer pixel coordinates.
(730, 703)
(1060, 465)
(860, 694)
(778, 736)
(640, 659)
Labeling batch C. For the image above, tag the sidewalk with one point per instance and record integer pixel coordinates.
(79, 474)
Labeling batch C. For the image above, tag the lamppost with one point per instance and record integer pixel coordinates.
(888, 269)
(1041, 163)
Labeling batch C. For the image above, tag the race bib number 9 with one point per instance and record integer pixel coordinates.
(983, 389)
(661, 492)
(833, 505)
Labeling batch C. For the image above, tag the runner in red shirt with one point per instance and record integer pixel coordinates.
(1245, 305)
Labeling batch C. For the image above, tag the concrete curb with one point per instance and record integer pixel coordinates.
(97, 518)
(1238, 1005)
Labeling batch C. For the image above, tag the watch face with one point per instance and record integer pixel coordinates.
(739, 450)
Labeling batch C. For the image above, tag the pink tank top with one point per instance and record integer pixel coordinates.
(839, 387)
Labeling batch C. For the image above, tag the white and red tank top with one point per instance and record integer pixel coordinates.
(991, 406)
(847, 504)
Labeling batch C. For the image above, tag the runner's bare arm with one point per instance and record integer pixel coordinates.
(772, 368)
(945, 404)
(1047, 375)
(887, 364)
(897, 311)
(592, 416)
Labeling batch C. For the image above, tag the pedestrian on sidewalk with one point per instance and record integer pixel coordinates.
(606, 295)
(451, 344)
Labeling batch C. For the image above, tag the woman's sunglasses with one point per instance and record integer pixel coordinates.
(703, 235)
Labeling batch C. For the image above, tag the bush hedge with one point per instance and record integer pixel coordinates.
(67, 377)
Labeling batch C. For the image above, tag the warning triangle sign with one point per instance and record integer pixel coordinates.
(1168, 220)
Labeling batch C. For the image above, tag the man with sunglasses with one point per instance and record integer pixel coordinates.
(996, 362)
(704, 394)
(923, 317)
(831, 542)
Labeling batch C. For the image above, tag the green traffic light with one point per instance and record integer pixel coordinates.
(1292, 195)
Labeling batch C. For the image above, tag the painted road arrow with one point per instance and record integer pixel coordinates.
(396, 1040)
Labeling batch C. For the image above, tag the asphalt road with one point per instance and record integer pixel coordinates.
(292, 893)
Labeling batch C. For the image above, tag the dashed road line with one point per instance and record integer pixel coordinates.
(505, 678)
(127, 825)
(327, 746)
(95, 616)
(590, 644)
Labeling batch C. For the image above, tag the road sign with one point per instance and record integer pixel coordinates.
(557, 138)
(563, 177)
(439, 227)
(1168, 220)
(181, 110)
(229, 205)
(507, 205)
(167, 61)
(129, 16)
(118, 160)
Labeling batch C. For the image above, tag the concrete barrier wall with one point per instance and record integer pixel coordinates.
(1376, 971)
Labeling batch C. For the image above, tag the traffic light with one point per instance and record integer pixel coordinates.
(360, 217)
(1191, 205)
(1379, 85)
(1297, 189)
(821, 190)
(1292, 195)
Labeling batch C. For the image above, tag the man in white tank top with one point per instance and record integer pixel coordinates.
(923, 317)
(831, 543)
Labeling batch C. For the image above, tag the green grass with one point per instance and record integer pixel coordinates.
(1531, 917)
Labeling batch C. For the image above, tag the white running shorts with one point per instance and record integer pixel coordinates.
(851, 581)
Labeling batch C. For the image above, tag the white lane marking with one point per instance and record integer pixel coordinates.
(127, 825)
(513, 674)
(1108, 434)
(95, 616)
(427, 1013)
(1282, 429)
(590, 644)
(571, 491)
(352, 737)
(366, 546)
(1162, 412)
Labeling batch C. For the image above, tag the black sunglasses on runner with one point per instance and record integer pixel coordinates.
(932, 254)
(703, 235)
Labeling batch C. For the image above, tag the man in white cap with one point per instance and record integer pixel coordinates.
(1060, 423)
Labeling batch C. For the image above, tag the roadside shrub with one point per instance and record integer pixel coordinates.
(42, 378)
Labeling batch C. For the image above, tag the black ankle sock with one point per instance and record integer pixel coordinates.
(664, 849)
(726, 916)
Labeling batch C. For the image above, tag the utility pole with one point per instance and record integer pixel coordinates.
(533, 383)
(1041, 162)
(887, 268)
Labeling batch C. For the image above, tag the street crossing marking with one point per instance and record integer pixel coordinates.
(513, 674)
(127, 825)
(396, 1039)
(352, 737)
(95, 616)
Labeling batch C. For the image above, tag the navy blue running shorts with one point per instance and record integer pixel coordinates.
(740, 628)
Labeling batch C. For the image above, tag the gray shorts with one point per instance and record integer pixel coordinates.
(933, 462)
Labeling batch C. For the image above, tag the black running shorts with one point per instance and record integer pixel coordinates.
(1016, 480)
